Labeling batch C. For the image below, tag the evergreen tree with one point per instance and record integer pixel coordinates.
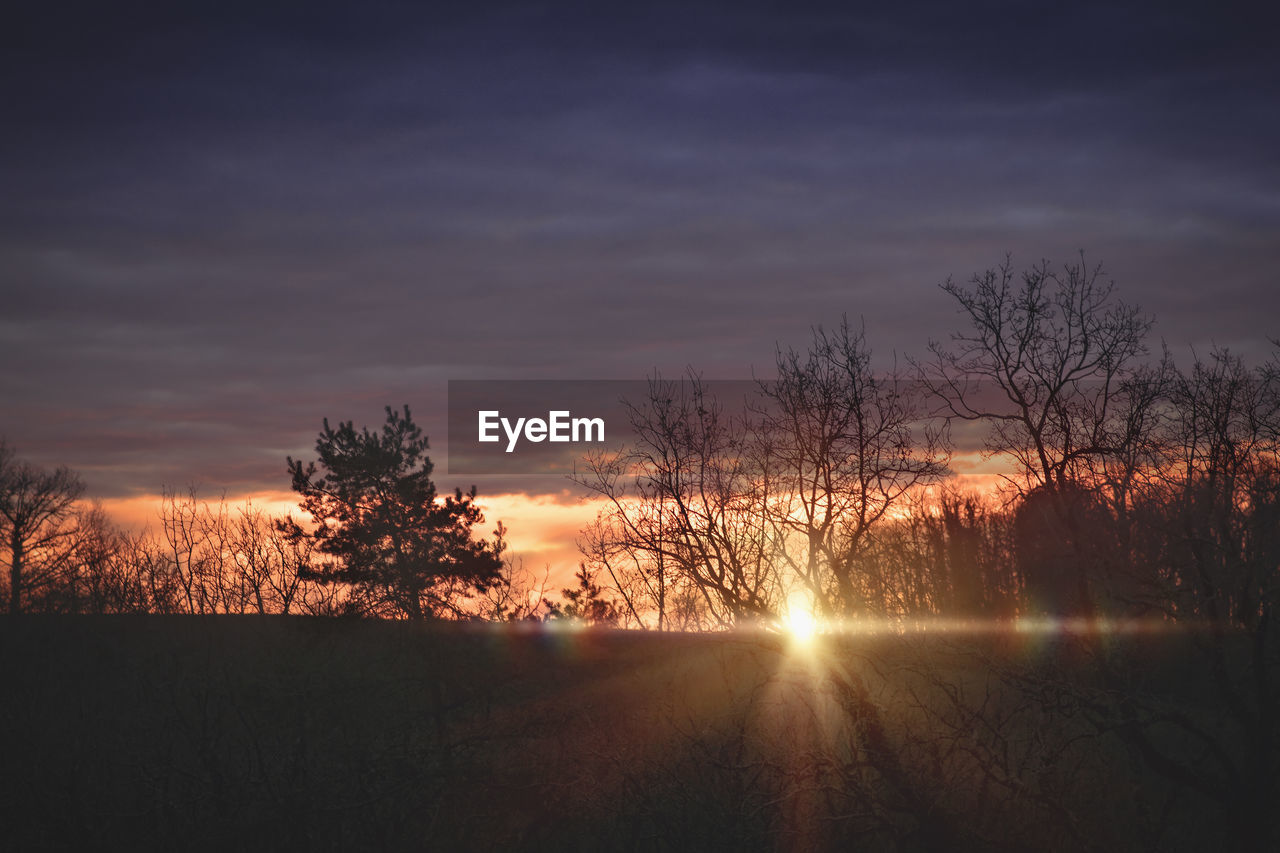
(377, 515)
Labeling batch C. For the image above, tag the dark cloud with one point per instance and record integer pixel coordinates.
(220, 225)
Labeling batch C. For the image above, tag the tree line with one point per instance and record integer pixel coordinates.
(1131, 487)
(376, 541)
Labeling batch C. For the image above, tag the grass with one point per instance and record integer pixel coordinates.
(219, 733)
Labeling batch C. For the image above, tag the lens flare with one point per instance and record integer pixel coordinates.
(800, 622)
(802, 626)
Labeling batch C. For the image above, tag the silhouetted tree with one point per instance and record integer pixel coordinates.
(376, 513)
(841, 447)
(1049, 361)
(1208, 525)
(684, 501)
(781, 495)
(34, 504)
(951, 554)
(519, 595)
(197, 537)
(1041, 553)
(586, 602)
(96, 578)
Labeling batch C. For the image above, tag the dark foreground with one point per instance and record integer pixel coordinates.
(226, 733)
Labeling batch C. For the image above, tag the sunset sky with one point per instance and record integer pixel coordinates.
(220, 225)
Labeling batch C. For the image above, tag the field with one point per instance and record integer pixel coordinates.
(226, 733)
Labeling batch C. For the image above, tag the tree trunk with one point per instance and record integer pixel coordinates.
(15, 572)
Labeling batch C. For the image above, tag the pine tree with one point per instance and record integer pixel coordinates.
(377, 515)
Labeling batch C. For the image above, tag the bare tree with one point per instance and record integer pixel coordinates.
(685, 500)
(211, 559)
(34, 507)
(198, 538)
(269, 565)
(1043, 361)
(1050, 361)
(521, 593)
(1213, 519)
(840, 447)
(1209, 504)
(784, 494)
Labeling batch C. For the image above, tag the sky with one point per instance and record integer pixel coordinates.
(222, 223)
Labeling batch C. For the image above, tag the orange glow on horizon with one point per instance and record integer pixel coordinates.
(139, 512)
(541, 531)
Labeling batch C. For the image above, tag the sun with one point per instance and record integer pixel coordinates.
(801, 625)
(799, 622)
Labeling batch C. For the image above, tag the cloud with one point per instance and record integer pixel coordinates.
(223, 225)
